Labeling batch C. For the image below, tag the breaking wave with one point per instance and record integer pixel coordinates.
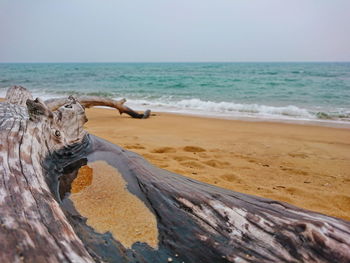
(230, 109)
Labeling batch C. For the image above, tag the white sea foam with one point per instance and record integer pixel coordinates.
(227, 107)
(223, 108)
(229, 110)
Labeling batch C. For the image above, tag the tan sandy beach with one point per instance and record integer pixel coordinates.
(308, 166)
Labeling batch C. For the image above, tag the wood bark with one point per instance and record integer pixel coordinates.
(40, 154)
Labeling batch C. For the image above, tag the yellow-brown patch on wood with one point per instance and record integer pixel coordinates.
(83, 179)
(109, 206)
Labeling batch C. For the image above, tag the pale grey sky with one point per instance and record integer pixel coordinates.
(174, 30)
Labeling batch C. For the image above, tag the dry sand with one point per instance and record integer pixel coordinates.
(307, 166)
(104, 200)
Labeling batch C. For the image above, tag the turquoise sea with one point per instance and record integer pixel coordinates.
(279, 91)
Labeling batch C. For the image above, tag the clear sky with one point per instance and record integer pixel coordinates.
(174, 30)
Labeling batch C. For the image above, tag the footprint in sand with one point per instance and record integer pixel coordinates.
(192, 164)
(203, 155)
(181, 158)
(134, 146)
(164, 150)
(217, 164)
(229, 177)
(293, 171)
(298, 155)
(193, 149)
(153, 157)
(294, 191)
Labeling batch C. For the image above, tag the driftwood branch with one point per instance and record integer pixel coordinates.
(43, 151)
(91, 101)
(19, 95)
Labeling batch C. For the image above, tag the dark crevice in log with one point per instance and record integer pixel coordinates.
(70, 173)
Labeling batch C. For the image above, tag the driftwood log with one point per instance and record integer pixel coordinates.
(41, 152)
(90, 101)
(18, 95)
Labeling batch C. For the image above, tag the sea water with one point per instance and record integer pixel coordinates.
(278, 91)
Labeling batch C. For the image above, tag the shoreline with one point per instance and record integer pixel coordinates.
(304, 165)
(305, 122)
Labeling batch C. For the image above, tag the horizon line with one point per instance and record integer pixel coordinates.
(170, 62)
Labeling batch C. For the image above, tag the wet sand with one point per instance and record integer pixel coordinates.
(307, 166)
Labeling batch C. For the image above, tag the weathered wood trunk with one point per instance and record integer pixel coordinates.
(33, 227)
(40, 155)
(90, 101)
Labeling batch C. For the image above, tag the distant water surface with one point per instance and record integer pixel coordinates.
(285, 91)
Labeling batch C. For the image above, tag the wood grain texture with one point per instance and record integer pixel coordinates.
(18, 95)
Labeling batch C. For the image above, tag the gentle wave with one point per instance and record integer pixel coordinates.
(226, 107)
(230, 109)
(210, 108)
